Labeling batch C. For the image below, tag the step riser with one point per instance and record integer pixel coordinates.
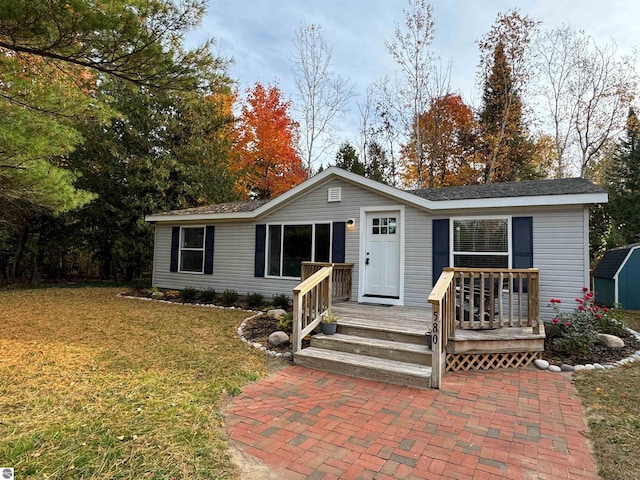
(496, 346)
(369, 373)
(381, 334)
(330, 343)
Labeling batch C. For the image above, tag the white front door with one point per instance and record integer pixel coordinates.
(382, 254)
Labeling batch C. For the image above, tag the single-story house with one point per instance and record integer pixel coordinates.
(398, 241)
(617, 277)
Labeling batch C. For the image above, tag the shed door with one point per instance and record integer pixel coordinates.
(382, 256)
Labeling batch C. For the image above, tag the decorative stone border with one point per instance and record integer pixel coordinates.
(542, 364)
(257, 345)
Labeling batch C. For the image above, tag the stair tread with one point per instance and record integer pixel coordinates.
(391, 344)
(411, 329)
(354, 359)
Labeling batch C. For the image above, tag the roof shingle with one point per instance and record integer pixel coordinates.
(525, 188)
(230, 207)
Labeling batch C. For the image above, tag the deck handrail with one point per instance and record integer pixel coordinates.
(311, 301)
(342, 277)
(496, 297)
(442, 300)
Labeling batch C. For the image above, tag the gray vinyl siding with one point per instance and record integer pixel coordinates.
(558, 243)
(233, 259)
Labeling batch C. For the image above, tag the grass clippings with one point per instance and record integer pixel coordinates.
(611, 399)
(95, 386)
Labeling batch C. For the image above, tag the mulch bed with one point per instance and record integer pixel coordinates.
(258, 329)
(598, 353)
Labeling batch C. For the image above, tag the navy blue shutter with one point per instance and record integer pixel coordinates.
(175, 244)
(208, 250)
(440, 240)
(261, 237)
(338, 242)
(522, 244)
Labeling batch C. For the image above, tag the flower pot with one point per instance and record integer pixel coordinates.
(329, 328)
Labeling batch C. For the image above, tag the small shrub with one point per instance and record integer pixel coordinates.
(576, 332)
(286, 321)
(610, 322)
(207, 295)
(230, 297)
(189, 294)
(172, 294)
(157, 295)
(281, 300)
(254, 300)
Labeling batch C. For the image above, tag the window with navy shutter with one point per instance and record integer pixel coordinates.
(338, 242)
(261, 234)
(522, 245)
(440, 245)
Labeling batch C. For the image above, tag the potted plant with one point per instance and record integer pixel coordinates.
(329, 323)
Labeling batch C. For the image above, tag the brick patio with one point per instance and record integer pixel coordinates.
(514, 424)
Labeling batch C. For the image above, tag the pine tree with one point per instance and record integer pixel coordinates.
(505, 146)
(623, 183)
(347, 159)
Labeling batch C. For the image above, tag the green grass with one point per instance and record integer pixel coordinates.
(95, 386)
(611, 400)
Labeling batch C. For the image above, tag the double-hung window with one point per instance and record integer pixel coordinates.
(192, 249)
(481, 242)
(289, 245)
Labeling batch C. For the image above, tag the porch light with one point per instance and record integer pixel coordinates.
(351, 223)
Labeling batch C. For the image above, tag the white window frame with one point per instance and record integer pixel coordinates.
(313, 245)
(202, 249)
(453, 253)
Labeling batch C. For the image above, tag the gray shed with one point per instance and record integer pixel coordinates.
(617, 277)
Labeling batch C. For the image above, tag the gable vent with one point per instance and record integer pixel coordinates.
(334, 194)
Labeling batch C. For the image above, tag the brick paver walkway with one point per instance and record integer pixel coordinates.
(514, 424)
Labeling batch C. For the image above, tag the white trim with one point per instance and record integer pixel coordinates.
(508, 254)
(622, 265)
(313, 245)
(394, 194)
(585, 252)
(202, 249)
(363, 232)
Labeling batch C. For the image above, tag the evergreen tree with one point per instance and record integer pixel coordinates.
(378, 166)
(347, 159)
(505, 147)
(623, 183)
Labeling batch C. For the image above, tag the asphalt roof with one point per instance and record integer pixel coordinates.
(565, 186)
(229, 207)
(610, 263)
(526, 188)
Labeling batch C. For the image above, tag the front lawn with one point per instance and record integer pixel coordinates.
(95, 386)
(611, 399)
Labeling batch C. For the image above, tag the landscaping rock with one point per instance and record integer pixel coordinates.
(610, 341)
(554, 368)
(597, 366)
(276, 313)
(567, 368)
(286, 355)
(577, 368)
(278, 338)
(541, 364)
(588, 366)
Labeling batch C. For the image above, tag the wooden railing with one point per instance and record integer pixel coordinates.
(311, 301)
(471, 298)
(496, 298)
(342, 277)
(443, 306)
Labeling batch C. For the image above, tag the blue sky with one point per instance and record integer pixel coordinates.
(258, 35)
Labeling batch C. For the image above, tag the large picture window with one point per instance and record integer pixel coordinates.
(289, 245)
(481, 243)
(192, 249)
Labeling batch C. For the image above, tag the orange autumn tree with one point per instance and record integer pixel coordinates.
(266, 162)
(447, 134)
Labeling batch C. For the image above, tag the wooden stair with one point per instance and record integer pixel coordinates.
(383, 351)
